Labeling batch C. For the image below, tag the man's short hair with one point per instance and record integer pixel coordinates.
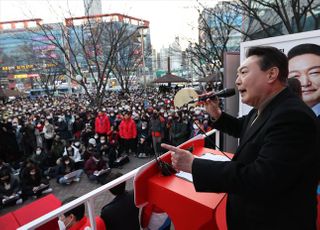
(271, 57)
(118, 189)
(306, 48)
(78, 211)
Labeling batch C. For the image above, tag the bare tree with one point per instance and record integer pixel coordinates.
(130, 59)
(215, 38)
(89, 51)
(272, 18)
(258, 19)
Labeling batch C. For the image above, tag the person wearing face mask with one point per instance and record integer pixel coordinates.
(113, 147)
(77, 127)
(75, 218)
(73, 151)
(62, 129)
(206, 125)
(32, 182)
(86, 134)
(17, 131)
(197, 126)
(9, 188)
(179, 131)
(157, 124)
(89, 150)
(102, 123)
(48, 133)
(128, 134)
(39, 134)
(144, 139)
(96, 165)
(102, 146)
(40, 158)
(112, 117)
(65, 166)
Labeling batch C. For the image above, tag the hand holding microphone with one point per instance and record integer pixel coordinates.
(211, 105)
(211, 101)
(188, 96)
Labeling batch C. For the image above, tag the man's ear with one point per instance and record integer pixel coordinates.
(73, 218)
(273, 74)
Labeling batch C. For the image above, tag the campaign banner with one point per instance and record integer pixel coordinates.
(285, 43)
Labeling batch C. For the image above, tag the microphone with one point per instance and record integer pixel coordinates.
(223, 93)
(165, 168)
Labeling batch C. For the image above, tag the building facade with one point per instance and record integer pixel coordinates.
(28, 52)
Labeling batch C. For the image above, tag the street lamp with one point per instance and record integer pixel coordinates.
(142, 52)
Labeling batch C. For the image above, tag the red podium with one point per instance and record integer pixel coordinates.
(187, 208)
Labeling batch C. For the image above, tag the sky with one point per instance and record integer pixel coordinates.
(168, 18)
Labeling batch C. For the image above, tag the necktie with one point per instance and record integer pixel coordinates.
(255, 118)
(252, 119)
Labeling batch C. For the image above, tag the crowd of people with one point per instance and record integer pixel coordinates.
(52, 137)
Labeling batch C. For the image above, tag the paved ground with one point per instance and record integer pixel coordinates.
(85, 186)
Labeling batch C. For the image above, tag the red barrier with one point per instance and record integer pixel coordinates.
(8, 222)
(37, 209)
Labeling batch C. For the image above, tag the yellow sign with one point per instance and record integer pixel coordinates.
(21, 76)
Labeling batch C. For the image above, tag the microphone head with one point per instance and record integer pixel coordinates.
(227, 92)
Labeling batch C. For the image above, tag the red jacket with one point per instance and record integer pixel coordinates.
(85, 222)
(102, 124)
(128, 129)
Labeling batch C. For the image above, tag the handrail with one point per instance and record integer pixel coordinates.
(88, 198)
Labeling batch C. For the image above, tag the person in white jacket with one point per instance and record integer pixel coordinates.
(48, 131)
(73, 151)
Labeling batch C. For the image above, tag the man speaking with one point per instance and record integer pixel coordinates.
(272, 179)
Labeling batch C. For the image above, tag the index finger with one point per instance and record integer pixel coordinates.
(170, 147)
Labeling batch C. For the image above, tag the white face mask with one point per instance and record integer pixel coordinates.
(95, 159)
(7, 186)
(62, 226)
(38, 152)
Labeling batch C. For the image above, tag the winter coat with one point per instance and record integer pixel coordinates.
(102, 124)
(128, 129)
(91, 166)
